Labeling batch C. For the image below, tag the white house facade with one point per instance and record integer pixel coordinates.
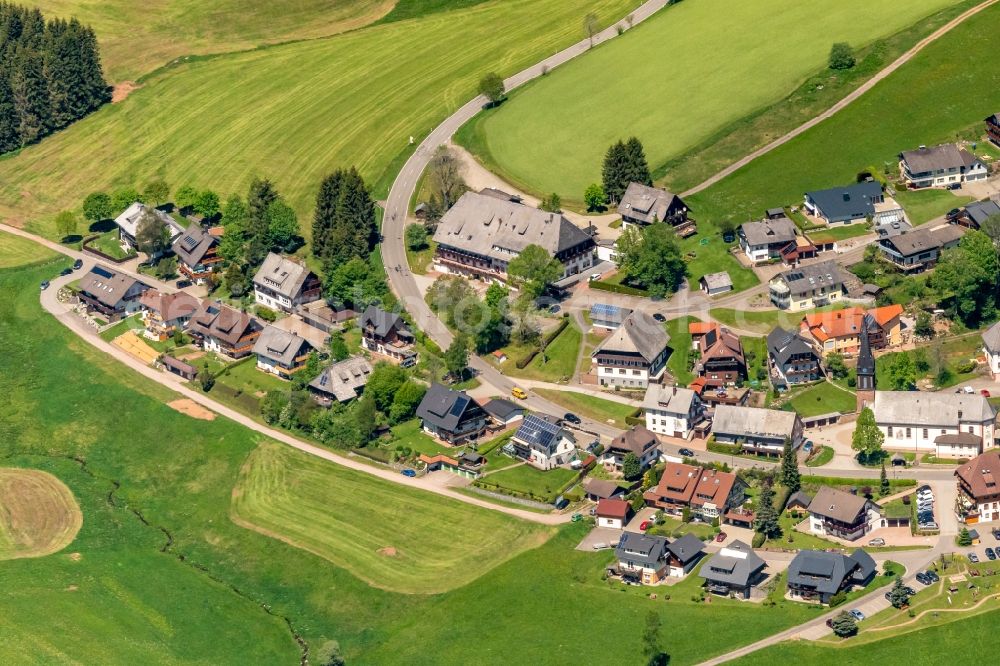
(672, 411)
(950, 425)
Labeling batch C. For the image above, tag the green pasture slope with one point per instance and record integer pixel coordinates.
(901, 112)
(137, 37)
(681, 76)
(293, 112)
(122, 594)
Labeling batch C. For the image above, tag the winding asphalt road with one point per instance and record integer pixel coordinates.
(397, 208)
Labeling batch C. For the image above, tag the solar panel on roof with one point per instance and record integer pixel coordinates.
(604, 309)
(102, 272)
(459, 406)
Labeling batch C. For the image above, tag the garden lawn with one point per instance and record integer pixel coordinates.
(326, 509)
(714, 256)
(838, 233)
(410, 434)
(822, 398)
(590, 406)
(543, 486)
(824, 456)
(556, 363)
(954, 352)
(709, 71)
(680, 345)
(294, 112)
(922, 206)
(132, 323)
(792, 538)
(755, 352)
(128, 596)
(420, 260)
(109, 244)
(900, 113)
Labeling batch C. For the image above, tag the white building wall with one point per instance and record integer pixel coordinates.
(667, 423)
(623, 377)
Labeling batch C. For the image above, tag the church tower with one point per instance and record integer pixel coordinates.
(866, 371)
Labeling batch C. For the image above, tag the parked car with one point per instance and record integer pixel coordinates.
(645, 525)
(572, 418)
(66, 271)
(877, 541)
(594, 276)
(182, 283)
(996, 533)
(44, 285)
(519, 393)
(658, 317)
(856, 614)
(924, 579)
(807, 446)
(928, 526)
(720, 537)
(973, 558)
(409, 472)
(687, 453)
(985, 393)
(829, 622)
(968, 389)
(78, 264)
(991, 554)
(600, 545)
(554, 309)
(932, 575)
(909, 590)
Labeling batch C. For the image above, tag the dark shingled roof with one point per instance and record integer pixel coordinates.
(686, 548)
(847, 203)
(782, 345)
(192, 245)
(443, 407)
(735, 564)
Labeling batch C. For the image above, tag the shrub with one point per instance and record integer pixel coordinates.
(841, 56)
(616, 288)
(728, 449)
(838, 599)
(966, 367)
(267, 314)
(758, 540)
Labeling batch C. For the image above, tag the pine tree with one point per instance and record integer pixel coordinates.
(260, 197)
(884, 487)
(790, 468)
(10, 139)
(353, 233)
(766, 520)
(60, 67)
(31, 96)
(325, 213)
(636, 169)
(613, 172)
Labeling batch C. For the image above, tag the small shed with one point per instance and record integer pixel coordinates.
(420, 211)
(716, 283)
(898, 461)
(775, 213)
(798, 502)
(613, 513)
(974, 535)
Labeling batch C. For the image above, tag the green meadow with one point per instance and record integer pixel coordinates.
(679, 78)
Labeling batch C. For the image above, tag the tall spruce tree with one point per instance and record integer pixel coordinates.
(325, 213)
(636, 167)
(31, 96)
(790, 468)
(260, 197)
(613, 172)
(766, 520)
(10, 139)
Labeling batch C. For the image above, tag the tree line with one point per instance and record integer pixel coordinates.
(50, 75)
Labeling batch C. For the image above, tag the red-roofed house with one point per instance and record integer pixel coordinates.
(839, 331)
(721, 360)
(979, 488)
(716, 493)
(613, 513)
(675, 489)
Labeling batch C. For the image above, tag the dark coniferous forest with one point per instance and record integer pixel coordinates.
(50, 75)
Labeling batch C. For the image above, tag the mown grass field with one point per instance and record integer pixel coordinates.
(823, 398)
(17, 251)
(38, 514)
(555, 364)
(922, 206)
(293, 112)
(679, 78)
(901, 112)
(138, 37)
(331, 512)
(121, 594)
(680, 345)
(764, 321)
(524, 479)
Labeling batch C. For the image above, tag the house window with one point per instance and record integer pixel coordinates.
(972, 430)
(908, 435)
(925, 433)
(888, 431)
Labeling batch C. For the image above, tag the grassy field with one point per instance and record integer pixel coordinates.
(823, 398)
(553, 135)
(330, 511)
(293, 112)
(680, 345)
(38, 514)
(755, 351)
(953, 353)
(122, 593)
(920, 645)
(824, 457)
(544, 486)
(899, 113)
(167, 29)
(922, 206)
(590, 406)
(17, 251)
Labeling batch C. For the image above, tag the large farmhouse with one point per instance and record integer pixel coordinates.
(634, 355)
(480, 235)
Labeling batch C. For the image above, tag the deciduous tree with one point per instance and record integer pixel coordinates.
(416, 236)
(156, 192)
(651, 259)
(867, 439)
(206, 204)
(841, 56)
(631, 466)
(534, 269)
(97, 206)
(66, 223)
(594, 197)
(123, 198)
(456, 357)
(444, 178)
(491, 86)
(405, 402)
(152, 235)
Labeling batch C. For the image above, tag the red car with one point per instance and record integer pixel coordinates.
(985, 393)
(645, 525)
(720, 537)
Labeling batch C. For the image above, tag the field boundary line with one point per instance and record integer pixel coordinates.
(843, 103)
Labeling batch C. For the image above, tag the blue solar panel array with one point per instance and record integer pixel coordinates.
(538, 433)
(603, 310)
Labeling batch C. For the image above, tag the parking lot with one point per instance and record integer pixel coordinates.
(600, 535)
